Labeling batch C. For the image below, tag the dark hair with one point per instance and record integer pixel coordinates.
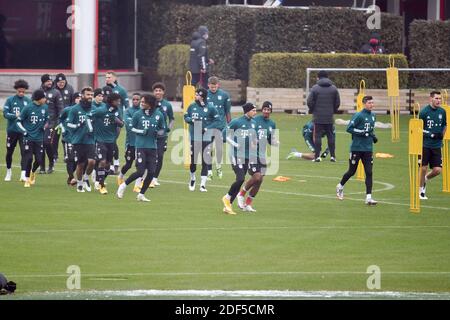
(367, 98)
(136, 94)
(434, 92)
(149, 99)
(86, 89)
(159, 85)
(113, 97)
(322, 74)
(21, 84)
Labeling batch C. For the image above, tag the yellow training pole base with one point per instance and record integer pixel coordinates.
(414, 181)
(360, 172)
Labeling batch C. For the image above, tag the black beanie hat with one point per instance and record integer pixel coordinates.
(322, 74)
(97, 92)
(267, 104)
(203, 30)
(60, 77)
(248, 107)
(45, 78)
(76, 95)
(202, 93)
(38, 95)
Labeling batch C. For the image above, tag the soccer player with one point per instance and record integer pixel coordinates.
(111, 81)
(308, 135)
(106, 119)
(146, 124)
(361, 128)
(434, 127)
(33, 120)
(266, 134)
(222, 102)
(83, 139)
(166, 109)
(66, 139)
(11, 111)
(241, 135)
(201, 117)
(130, 151)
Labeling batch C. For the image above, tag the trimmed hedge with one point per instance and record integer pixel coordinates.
(173, 60)
(236, 33)
(429, 43)
(288, 70)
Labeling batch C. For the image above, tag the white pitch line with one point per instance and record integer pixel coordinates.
(175, 229)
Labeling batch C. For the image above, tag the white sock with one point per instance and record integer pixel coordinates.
(193, 176)
(8, 171)
(228, 196)
(209, 172)
(121, 175)
(155, 180)
(85, 177)
(298, 154)
(369, 196)
(203, 181)
(23, 174)
(340, 186)
(79, 183)
(116, 162)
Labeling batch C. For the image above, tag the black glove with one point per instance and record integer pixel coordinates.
(375, 139)
(437, 136)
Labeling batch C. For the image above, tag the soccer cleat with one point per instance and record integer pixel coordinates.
(333, 159)
(291, 156)
(241, 201)
(155, 180)
(80, 189)
(371, 202)
(422, 196)
(227, 204)
(317, 160)
(87, 186)
(141, 197)
(249, 208)
(121, 190)
(324, 154)
(8, 175)
(192, 185)
(97, 185)
(228, 211)
(119, 180)
(137, 189)
(152, 184)
(22, 179)
(203, 189)
(103, 190)
(340, 192)
(42, 171)
(27, 184)
(219, 172)
(32, 178)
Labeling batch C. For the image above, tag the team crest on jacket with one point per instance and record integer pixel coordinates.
(253, 126)
(219, 97)
(25, 103)
(66, 91)
(440, 117)
(50, 95)
(43, 111)
(205, 109)
(157, 117)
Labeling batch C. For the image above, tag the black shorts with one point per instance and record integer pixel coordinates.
(432, 157)
(83, 152)
(130, 153)
(161, 142)
(146, 159)
(33, 147)
(104, 151)
(241, 166)
(12, 138)
(262, 164)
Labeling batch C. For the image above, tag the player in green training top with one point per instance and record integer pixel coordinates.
(11, 111)
(242, 136)
(130, 151)
(434, 127)
(265, 129)
(147, 123)
(106, 120)
(361, 128)
(166, 109)
(222, 102)
(33, 120)
(202, 117)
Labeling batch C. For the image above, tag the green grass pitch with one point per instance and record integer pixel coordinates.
(300, 239)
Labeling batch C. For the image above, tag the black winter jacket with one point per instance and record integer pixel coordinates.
(323, 101)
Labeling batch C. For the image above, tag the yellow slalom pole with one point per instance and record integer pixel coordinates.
(393, 94)
(415, 160)
(188, 98)
(446, 147)
(359, 106)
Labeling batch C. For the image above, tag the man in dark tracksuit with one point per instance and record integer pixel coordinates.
(66, 91)
(199, 61)
(323, 102)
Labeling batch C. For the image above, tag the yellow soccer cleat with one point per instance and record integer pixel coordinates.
(228, 208)
(119, 180)
(137, 189)
(32, 178)
(228, 211)
(27, 184)
(103, 191)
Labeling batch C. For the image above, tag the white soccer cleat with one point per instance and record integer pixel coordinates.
(422, 196)
(80, 189)
(121, 190)
(340, 192)
(155, 181)
(87, 186)
(241, 201)
(8, 175)
(141, 197)
(203, 189)
(371, 202)
(249, 208)
(192, 185)
(97, 186)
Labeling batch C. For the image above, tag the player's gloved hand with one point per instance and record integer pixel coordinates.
(375, 139)
(167, 129)
(188, 120)
(145, 132)
(25, 133)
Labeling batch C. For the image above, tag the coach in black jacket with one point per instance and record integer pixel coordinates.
(199, 61)
(323, 102)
